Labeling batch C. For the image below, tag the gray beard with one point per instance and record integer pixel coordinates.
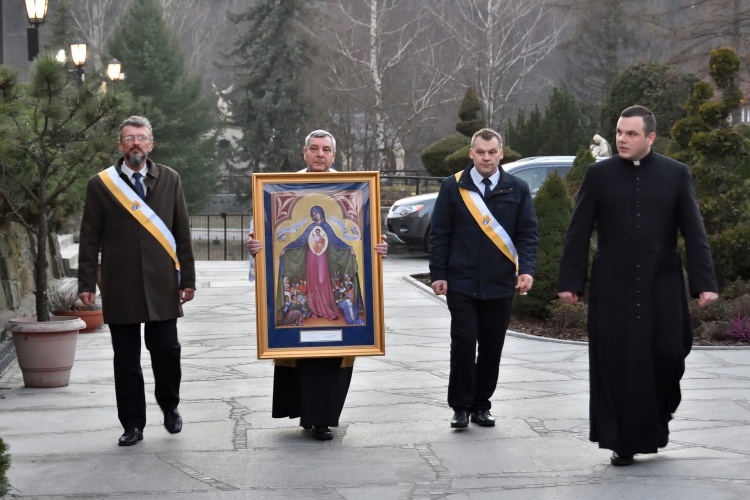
(136, 158)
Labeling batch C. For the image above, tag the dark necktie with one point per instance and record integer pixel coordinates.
(487, 183)
(138, 186)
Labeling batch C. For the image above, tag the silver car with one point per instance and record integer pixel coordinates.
(409, 219)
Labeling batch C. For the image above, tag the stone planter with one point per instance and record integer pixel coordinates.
(93, 319)
(45, 350)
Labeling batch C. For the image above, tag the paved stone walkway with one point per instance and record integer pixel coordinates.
(394, 442)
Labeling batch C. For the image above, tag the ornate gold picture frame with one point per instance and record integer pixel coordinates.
(319, 284)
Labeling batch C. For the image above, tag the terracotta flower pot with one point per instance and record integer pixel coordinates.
(93, 319)
(45, 350)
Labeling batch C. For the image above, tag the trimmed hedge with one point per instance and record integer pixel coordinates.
(434, 156)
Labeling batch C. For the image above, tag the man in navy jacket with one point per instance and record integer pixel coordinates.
(484, 239)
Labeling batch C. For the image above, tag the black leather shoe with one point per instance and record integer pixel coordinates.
(322, 433)
(482, 418)
(172, 421)
(460, 419)
(131, 437)
(620, 460)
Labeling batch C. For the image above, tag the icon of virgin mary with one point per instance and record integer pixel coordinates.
(318, 254)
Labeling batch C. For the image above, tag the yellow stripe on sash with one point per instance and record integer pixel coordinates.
(484, 224)
(132, 207)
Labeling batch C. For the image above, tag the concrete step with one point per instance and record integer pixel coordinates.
(65, 240)
(69, 253)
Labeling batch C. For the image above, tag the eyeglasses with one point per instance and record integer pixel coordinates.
(139, 137)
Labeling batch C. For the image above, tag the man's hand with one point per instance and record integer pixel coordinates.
(88, 298)
(440, 287)
(186, 294)
(524, 283)
(705, 298)
(382, 248)
(253, 246)
(568, 297)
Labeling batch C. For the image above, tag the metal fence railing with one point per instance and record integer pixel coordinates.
(395, 187)
(221, 236)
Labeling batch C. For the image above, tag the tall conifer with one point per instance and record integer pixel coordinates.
(268, 102)
(184, 127)
(553, 209)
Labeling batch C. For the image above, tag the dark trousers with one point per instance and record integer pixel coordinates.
(477, 337)
(162, 344)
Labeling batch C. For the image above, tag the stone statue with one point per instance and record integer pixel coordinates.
(223, 103)
(399, 154)
(600, 148)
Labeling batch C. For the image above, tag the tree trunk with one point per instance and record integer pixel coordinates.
(377, 86)
(42, 262)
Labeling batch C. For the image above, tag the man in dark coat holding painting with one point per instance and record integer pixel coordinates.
(639, 328)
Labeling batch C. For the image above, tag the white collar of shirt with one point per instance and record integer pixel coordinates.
(305, 170)
(129, 172)
(477, 178)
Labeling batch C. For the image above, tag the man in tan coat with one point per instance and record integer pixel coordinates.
(135, 215)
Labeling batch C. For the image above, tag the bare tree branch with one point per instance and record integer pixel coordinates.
(93, 20)
(390, 59)
(504, 41)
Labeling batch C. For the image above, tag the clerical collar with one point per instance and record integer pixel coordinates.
(645, 159)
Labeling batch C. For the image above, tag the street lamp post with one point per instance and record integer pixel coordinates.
(114, 69)
(113, 74)
(78, 54)
(35, 11)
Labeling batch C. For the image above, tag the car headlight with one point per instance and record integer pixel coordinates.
(407, 209)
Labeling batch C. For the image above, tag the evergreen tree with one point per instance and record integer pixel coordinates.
(61, 31)
(470, 114)
(269, 102)
(574, 177)
(451, 154)
(53, 137)
(566, 126)
(4, 466)
(553, 210)
(661, 88)
(434, 157)
(182, 119)
(526, 135)
(721, 165)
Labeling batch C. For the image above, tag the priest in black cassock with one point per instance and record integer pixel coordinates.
(638, 323)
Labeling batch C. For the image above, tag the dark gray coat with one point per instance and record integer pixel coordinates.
(139, 281)
(639, 329)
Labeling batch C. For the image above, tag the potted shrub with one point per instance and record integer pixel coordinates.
(53, 136)
(64, 301)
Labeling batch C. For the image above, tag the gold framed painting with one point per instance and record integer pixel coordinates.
(319, 286)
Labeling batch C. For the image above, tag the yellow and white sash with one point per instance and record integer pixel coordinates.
(491, 227)
(130, 201)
